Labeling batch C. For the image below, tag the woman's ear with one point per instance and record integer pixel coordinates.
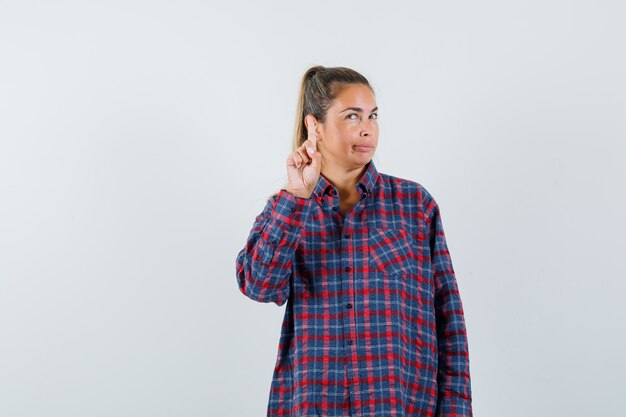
(319, 130)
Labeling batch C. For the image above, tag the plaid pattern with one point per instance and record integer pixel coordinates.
(374, 323)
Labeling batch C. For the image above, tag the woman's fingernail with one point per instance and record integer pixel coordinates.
(310, 150)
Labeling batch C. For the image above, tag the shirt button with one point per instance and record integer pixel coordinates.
(347, 268)
(349, 305)
(334, 208)
(293, 209)
(350, 341)
(346, 236)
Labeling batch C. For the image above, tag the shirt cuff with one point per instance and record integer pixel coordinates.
(290, 211)
(284, 226)
(452, 406)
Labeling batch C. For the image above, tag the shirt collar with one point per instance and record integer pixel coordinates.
(365, 185)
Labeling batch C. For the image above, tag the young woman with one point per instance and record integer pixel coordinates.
(374, 323)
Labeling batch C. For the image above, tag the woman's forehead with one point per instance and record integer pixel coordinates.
(355, 96)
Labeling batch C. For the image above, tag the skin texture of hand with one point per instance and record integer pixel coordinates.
(304, 164)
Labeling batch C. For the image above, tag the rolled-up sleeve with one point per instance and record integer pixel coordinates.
(264, 264)
(453, 374)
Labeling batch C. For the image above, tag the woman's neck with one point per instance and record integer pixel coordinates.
(343, 179)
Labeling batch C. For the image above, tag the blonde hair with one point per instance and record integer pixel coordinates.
(318, 88)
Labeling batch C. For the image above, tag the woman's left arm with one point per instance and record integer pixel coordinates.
(453, 375)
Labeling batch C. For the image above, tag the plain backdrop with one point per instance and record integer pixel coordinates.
(139, 140)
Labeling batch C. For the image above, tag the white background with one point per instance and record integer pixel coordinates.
(139, 139)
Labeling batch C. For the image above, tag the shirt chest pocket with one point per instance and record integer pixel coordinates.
(392, 275)
(391, 251)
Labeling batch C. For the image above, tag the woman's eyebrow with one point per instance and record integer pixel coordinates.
(357, 109)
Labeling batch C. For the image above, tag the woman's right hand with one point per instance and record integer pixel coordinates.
(304, 164)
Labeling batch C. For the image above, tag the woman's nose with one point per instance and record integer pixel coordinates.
(366, 128)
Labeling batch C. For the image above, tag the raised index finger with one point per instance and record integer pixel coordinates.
(310, 127)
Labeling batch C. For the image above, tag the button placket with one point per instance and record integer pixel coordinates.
(347, 268)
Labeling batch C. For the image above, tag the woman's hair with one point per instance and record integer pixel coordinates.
(318, 88)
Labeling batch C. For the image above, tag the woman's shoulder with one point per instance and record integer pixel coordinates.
(406, 187)
(408, 195)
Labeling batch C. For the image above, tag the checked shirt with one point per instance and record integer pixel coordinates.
(374, 323)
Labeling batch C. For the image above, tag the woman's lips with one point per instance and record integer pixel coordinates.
(363, 148)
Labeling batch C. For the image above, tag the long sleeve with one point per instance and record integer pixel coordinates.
(264, 264)
(453, 376)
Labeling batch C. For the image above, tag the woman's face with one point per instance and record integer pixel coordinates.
(349, 136)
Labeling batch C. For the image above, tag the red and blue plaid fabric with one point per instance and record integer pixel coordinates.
(374, 324)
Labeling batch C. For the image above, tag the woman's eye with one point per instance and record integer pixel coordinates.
(373, 116)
